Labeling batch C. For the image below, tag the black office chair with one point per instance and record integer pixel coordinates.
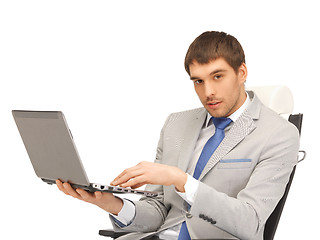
(273, 220)
(278, 98)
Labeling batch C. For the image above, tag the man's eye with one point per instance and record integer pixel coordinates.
(197, 82)
(217, 77)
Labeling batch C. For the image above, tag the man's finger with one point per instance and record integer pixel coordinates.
(85, 195)
(125, 172)
(71, 191)
(138, 180)
(127, 175)
(61, 187)
(98, 195)
(138, 185)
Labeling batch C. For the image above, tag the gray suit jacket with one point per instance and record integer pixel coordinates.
(239, 187)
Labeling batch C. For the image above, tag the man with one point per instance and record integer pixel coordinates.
(214, 181)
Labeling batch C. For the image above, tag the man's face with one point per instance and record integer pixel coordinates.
(219, 87)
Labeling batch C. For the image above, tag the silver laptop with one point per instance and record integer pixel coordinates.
(53, 154)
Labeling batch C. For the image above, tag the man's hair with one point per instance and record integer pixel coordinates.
(212, 45)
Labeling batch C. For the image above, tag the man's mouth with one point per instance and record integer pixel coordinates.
(213, 104)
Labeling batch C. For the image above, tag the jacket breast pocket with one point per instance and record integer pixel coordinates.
(234, 163)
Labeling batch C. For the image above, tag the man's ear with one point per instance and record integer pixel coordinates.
(242, 73)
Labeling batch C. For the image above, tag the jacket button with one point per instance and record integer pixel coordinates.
(189, 215)
(212, 221)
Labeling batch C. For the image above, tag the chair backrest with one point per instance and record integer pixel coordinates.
(280, 99)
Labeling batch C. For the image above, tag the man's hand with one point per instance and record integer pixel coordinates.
(151, 173)
(106, 201)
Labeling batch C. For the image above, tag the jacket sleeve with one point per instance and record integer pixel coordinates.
(150, 212)
(245, 215)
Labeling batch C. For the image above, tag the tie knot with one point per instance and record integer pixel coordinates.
(221, 123)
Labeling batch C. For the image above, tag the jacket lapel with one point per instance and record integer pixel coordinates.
(192, 133)
(241, 128)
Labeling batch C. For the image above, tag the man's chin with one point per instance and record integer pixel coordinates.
(216, 114)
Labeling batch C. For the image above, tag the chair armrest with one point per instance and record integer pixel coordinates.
(111, 233)
(303, 157)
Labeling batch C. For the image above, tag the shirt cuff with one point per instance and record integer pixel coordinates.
(191, 188)
(126, 214)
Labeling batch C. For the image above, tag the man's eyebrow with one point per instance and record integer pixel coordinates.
(212, 73)
(217, 71)
(194, 78)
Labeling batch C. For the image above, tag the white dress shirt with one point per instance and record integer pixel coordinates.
(127, 213)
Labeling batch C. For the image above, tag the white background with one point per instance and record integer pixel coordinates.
(116, 70)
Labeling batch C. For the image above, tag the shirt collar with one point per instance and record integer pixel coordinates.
(234, 116)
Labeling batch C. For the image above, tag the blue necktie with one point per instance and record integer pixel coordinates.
(207, 151)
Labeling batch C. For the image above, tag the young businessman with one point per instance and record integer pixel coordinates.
(224, 190)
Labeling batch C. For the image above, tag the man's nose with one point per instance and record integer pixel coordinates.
(210, 89)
